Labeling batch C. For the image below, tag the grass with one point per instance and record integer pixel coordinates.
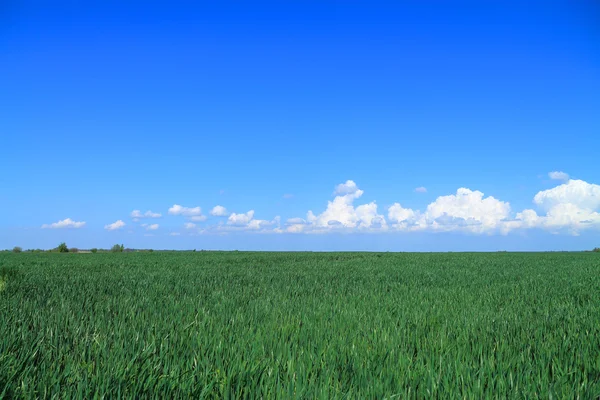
(300, 325)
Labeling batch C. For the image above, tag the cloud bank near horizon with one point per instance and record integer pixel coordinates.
(571, 207)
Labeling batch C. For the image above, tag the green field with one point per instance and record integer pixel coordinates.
(300, 325)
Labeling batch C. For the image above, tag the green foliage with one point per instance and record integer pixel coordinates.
(94, 250)
(62, 248)
(300, 325)
(117, 248)
(17, 249)
(73, 250)
(597, 250)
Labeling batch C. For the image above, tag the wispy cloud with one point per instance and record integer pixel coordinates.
(137, 214)
(185, 211)
(65, 223)
(152, 227)
(115, 225)
(558, 176)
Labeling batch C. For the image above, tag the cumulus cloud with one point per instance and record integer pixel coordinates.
(137, 214)
(185, 211)
(240, 219)
(576, 192)
(191, 213)
(421, 189)
(341, 214)
(262, 225)
(218, 211)
(558, 175)
(115, 225)
(467, 210)
(65, 223)
(295, 221)
(572, 206)
(348, 188)
(245, 222)
(401, 218)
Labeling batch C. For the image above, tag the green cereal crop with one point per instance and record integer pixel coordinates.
(300, 325)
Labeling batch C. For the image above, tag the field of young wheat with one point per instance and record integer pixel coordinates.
(300, 325)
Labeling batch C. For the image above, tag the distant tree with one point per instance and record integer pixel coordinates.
(597, 250)
(17, 249)
(117, 248)
(151, 250)
(62, 248)
(94, 250)
(73, 250)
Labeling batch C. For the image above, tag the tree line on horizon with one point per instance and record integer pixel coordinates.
(63, 248)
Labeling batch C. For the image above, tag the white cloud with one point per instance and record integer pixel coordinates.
(240, 219)
(137, 214)
(218, 211)
(577, 192)
(295, 221)
(341, 214)
(174, 234)
(572, 206)
(261, 224)
(245, 222)
(65, 223)
(185, 211)
(466, 210)
(569, 207)
(421, 189)
(348, 188)
(558, 175)
(115, 225)
(401, 218)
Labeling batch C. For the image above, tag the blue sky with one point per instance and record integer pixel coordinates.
(281, 107)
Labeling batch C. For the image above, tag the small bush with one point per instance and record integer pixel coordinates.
(17, 249)
(94, 250)
(73, 250)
